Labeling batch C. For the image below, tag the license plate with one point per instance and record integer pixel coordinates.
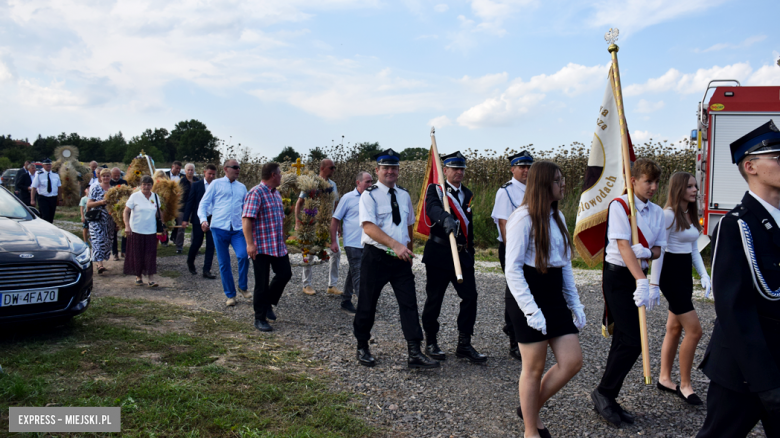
(28, 297)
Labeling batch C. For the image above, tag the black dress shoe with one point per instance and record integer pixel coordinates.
(365, 358)
(269, 314)
(605, 407)
(417, 359)
(263, 325)
(514, 350)
(347, 306)
(665, 388)
(191, 267)
(625, 416)
(209, 275)
(432, 350)
(544, 433)
(692, 399)
(466, 350)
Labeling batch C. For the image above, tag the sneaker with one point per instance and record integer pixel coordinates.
(333, 291)
(348, 307)
(245, 293)
(308, 290)
(230, 302)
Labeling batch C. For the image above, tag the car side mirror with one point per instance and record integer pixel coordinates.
(35, 211)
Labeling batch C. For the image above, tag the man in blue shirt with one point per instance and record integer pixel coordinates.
(224, 202)
(348, 211)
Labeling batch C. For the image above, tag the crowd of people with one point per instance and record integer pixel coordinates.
(542, 304)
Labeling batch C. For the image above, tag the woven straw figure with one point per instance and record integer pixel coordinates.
(137, 168)
(315, 216)
(116, 198)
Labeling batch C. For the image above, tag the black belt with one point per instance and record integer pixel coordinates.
(617, 268)
(440, 241)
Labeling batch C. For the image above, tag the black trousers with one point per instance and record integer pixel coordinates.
(619, 287)
(196, 243)
(47, 205)
(376, 270)
(268, 290)
(115, 243)
(734, 414)
(508, 327)
(437, 281)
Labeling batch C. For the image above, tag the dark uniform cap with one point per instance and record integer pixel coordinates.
(46, 161)
(762, 140)
(521, 159)
(455, 160)
(387, 157)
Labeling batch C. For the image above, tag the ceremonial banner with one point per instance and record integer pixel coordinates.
(422, 225)
(604, 180)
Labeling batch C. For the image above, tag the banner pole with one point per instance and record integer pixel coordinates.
(446, 203)
(613, 49)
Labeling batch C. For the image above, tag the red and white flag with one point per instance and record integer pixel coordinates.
(422, 226)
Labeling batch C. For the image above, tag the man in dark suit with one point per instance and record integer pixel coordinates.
(196, 192)
(439, 265)
(23, 181)
(185, 182)
(743, 357)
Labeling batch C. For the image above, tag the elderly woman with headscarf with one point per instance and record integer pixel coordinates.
(101, 228)
(140, 216)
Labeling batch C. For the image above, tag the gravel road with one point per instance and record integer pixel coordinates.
(458, 399)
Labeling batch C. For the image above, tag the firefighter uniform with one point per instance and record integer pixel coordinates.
(508, 197)
(439, 265)
(390, 209)
(743, 357)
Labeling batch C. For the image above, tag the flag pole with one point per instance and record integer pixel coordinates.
(613, 49)
(445, 202)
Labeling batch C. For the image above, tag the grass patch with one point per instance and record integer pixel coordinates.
(174, 372)
(71, 214)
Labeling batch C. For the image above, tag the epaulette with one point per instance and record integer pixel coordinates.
(738, 211)
(39, 171)
(372, 187)
(399, 187)
(507, 184)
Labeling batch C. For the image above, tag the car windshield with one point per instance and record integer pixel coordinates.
(10, 207)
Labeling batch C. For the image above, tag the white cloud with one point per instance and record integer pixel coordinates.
(441, 7)
(743, 45)
(484, 83)
(53, 96)
(440, 122)
(492, 14)
(520, 96)
(766, 75)
(638, 14)
(648, 107)
(654, 85)
(690, 82)
(5, 73)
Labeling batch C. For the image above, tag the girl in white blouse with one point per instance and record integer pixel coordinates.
(672, 273)
(544, 296)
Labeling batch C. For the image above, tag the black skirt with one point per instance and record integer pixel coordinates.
(547, 290)
(676, 282)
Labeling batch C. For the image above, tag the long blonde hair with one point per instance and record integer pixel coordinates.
(539, 199)
(678, 184)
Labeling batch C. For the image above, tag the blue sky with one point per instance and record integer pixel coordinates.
(268, 74)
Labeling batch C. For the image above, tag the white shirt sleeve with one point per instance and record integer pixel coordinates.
(619, 226)
(205, 203)
(663, 234)
(367, 208)
(500, 210)
(570, 293)
(518, 230)
(655, 273)
(339, 213)
(35, 181)
(698, 263)
(130, 201)
(411, 216)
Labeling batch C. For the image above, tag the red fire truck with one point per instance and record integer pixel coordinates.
(731, 112)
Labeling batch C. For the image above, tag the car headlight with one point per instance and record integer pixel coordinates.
(84, 258)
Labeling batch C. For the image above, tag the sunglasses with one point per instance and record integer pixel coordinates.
(332, 167)
(233, 167)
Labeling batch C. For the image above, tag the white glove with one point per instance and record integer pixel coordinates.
(642, 293)
(707, 285)
(579, 317)
(654, 297)
(641, 252)
(537, 322)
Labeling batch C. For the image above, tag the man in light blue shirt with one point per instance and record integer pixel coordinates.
(348, 211)
(224, 202)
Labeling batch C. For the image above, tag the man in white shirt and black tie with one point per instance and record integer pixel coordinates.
(45, 191)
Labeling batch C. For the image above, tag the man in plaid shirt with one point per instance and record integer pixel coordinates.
(262, 221)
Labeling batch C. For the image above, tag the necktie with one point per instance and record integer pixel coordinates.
(48, 182)
(396, 210)
(456, 194)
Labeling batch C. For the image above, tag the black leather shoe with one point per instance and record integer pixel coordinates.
(191, 267)
(432, 349)
(178, 251)
(605, 407)
(263, 325)
(544, 433)
(347, 306)
(209, 275)
(466, 350)
(417, 359)
(365, 358)
(625, 416)
(514, 350)
(269, 314)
